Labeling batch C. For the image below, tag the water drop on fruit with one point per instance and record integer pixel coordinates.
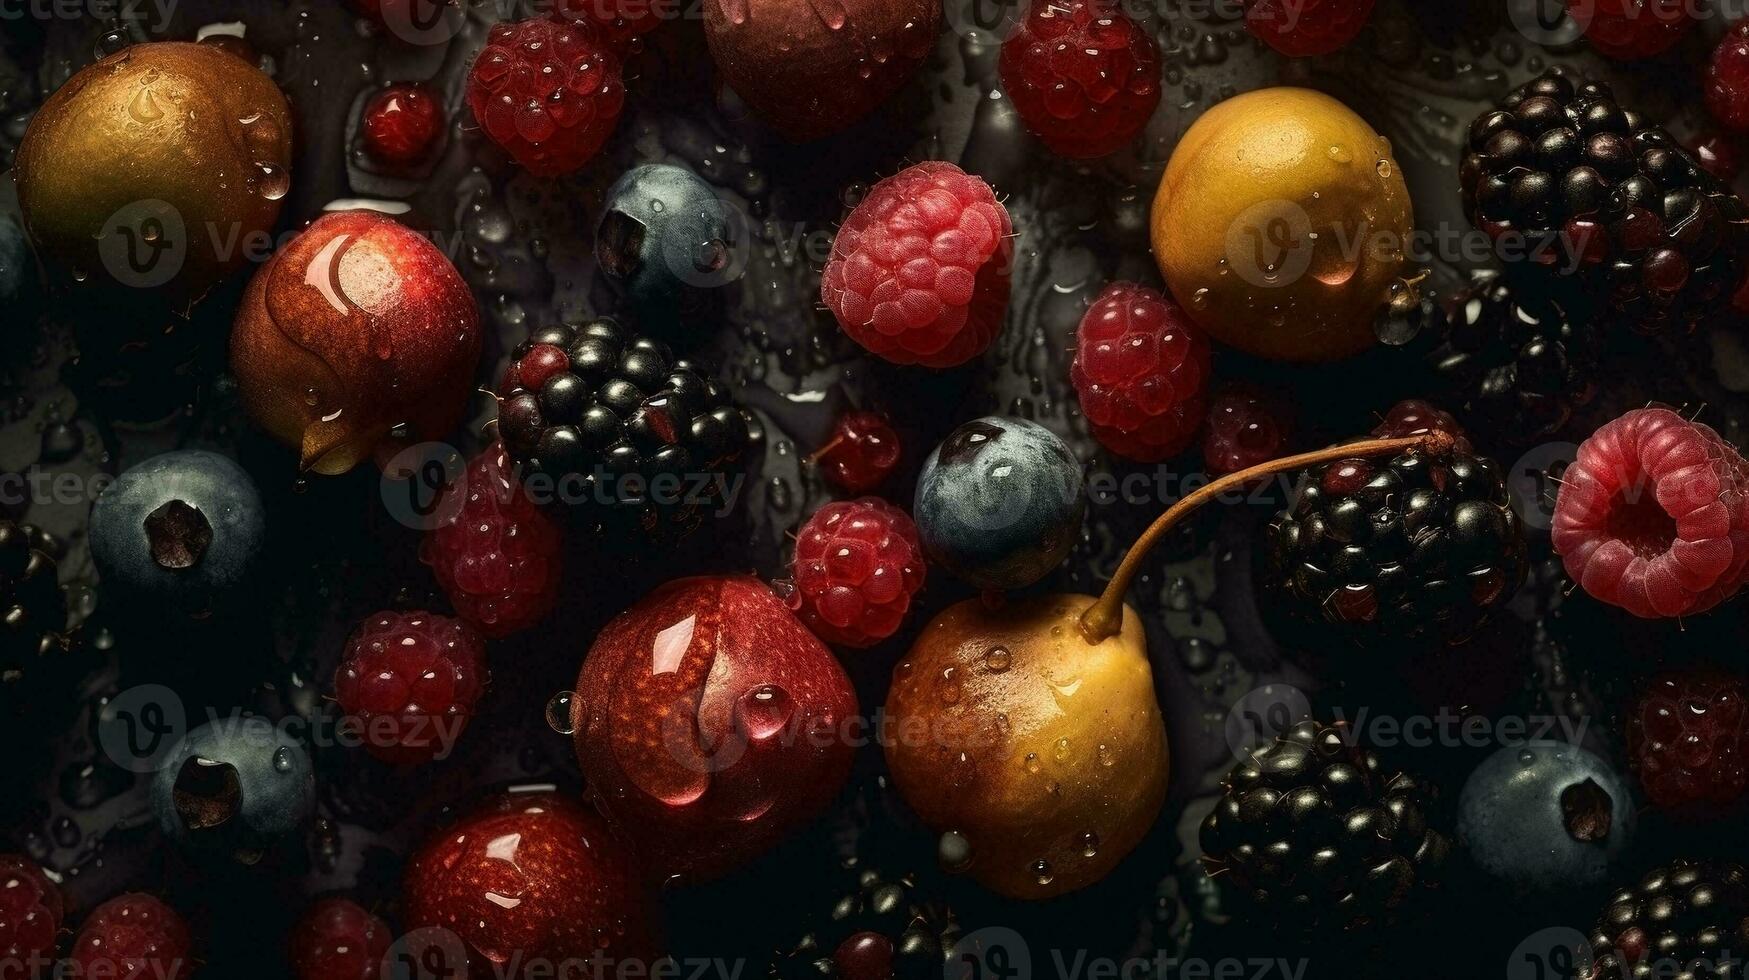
(559, 713)
(953, 852)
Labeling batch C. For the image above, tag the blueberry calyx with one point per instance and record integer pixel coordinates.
(1585, 809)
(967, 441)
(621, 245)
(207, 793)
(179, 534)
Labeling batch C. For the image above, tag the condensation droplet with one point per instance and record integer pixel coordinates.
(559, 713)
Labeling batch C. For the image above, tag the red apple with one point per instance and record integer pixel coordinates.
(710, 723)
(530, 883)
(357, 328)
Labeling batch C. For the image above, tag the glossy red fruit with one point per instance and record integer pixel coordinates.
(1688, 739)
(31, 912)
(621, 22)
(401, 124)
(495, 552)
(132, 937)
(1083, 76)
(1628, 30)
(857, 565)
(356, 338)
(548, 92)
(919, 272)
(528, 884)
(1727, 79)
(1653, 515)
(1306, 28)
(1717, 154)
(1141, 370)
(861, 453)
(408, 684)
(1413, 417)
(338, 939)
(710, 723)
(1245, 426)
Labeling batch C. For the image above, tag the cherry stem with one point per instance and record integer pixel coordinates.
(820, 453)
(1104, 618)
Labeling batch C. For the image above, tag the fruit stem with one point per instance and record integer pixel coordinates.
(1104, 618)
(819, 454)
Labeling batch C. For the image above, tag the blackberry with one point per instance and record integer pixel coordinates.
(1686, 919)
(1312, 832)
(878, 928)
(1411, 546)
(1606, 201)
(33, 609)
(1514, 366)
(616, 422)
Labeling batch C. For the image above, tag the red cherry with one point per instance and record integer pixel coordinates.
(402, 123)
(529, 882)
(861, 454)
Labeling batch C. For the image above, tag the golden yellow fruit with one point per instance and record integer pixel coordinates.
(161, 167)
(1045, 752)
(1281, 225)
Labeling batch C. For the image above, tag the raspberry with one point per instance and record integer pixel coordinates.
(131, 937)
(31, 911)
(861, 454)
(498, 556)
(919, 271)
(1652, 516)
(1246, 426)
(620, 22)
(1727, 79)
(408, 684)
(1305, 28)
(1142, 372)
(1413, 417)
(337, 939)
(1083, 77)
(857, 565)
(548, 92)
(402, 123)
(1687, 733)
(1628, 30)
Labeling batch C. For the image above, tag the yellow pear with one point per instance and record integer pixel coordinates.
(1044, 750)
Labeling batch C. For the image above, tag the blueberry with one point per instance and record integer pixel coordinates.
(181, 530)
(1545, 816)
(999, 502)
(233, 788)
(663, 233)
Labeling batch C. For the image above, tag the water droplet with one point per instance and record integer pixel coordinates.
(282, 759)
(1104, 755)
(766, 710)
(273, 183)
(998, 660)
(1062, 749)
(1384, 168)
(559, 713)
(1089, 844)
(1031, 763)
(953, 852)
(1041, 871)
(1340, 153)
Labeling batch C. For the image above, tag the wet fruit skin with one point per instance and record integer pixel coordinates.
(809, 70)
(132, 937)
(710, 723)
(663, 231)
(1007, 727)
(31, 912)
(233, 788)
(861, 454)
(402, 123)
(355, 338)
(1687, 733)
(337, 939)
(1250, 182)
(526, 882)
(163, 114)
(1546, 817)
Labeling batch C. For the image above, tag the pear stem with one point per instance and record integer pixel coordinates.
(1104, 618)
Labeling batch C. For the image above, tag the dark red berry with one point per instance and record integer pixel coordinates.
(864, 956)
(1687, 735)
(548, 92)
(620, 22)
(1727, 79)
(132, 937)
(1305, 28)
(1246, 426)
(337, 939)
(1413, 417)
(408, 684)
(1141, 370)
(857, 566)
(402, 123)
(1628, 30)
(31, 912)
(861, 453)
(498, 555)
(1083, 76)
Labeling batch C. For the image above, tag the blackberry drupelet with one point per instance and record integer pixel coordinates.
(878, 928)
(613, 416)
(33, 609)
(1686, 919)
(1514, 366)
(1312, 832)
(1605, 199)
(1413, 546)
